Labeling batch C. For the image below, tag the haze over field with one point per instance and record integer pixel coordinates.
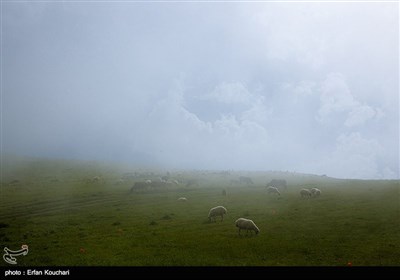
(306, 87)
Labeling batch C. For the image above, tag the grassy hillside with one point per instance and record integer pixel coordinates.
(67, 218)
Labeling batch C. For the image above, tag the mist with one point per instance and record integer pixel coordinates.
(304, 87)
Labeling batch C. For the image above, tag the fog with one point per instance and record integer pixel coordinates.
(305, 87)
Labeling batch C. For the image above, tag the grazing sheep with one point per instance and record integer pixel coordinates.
(183, 199)
(246, 224)
(14, 182)
(273, 190)
(192, 182)
(95, 179)
(139, 186)
(119, 182)
(148, 182)
(175, 182)
(158, 185)
(278, 183)
(315, 192)
(217, 211)
(305, 193)
(245, 180)
(165, 178)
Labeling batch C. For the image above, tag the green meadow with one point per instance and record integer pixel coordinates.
(68, 219)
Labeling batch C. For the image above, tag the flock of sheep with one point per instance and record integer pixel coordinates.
(247, 224)
(240, 223)
(219, 211)
(314, 192)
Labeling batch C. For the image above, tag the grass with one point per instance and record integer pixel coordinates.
(66, 219)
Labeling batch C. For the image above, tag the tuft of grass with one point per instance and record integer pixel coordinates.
(3, 225)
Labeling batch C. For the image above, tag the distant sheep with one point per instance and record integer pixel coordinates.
(245, 180)
(247, 225)
(315, 192)
(305, 193)
(175, 182)
(161, 180)
(217, 211)
(14, 182)
(139, 186)
(182, 199)
(165, 178)
(119, 182)
(148, 182)
(278, 183)
(192, 182)
(95, 179)
(157, 185)
(273, 190)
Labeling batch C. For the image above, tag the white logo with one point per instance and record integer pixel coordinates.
(9, 255)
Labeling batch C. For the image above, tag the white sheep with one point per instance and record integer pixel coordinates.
(148, 182)
(271, 189)
(175, 182)
(217, 211)
(95, 179)
(183, 199)
(315, 192)
(119, 182)
(305, 193)
(246, 224)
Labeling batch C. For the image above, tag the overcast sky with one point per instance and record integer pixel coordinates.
(305, 87)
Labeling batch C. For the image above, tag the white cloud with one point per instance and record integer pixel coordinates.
(354, 143)
(268, 85)
(230, 93)
(335, 96)
(301, 92)
(359, 115)
(181, 135)
(305, 88)
(290, 32)
(388, 173)
(337, 99)
(353, 157)
(258, 112)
